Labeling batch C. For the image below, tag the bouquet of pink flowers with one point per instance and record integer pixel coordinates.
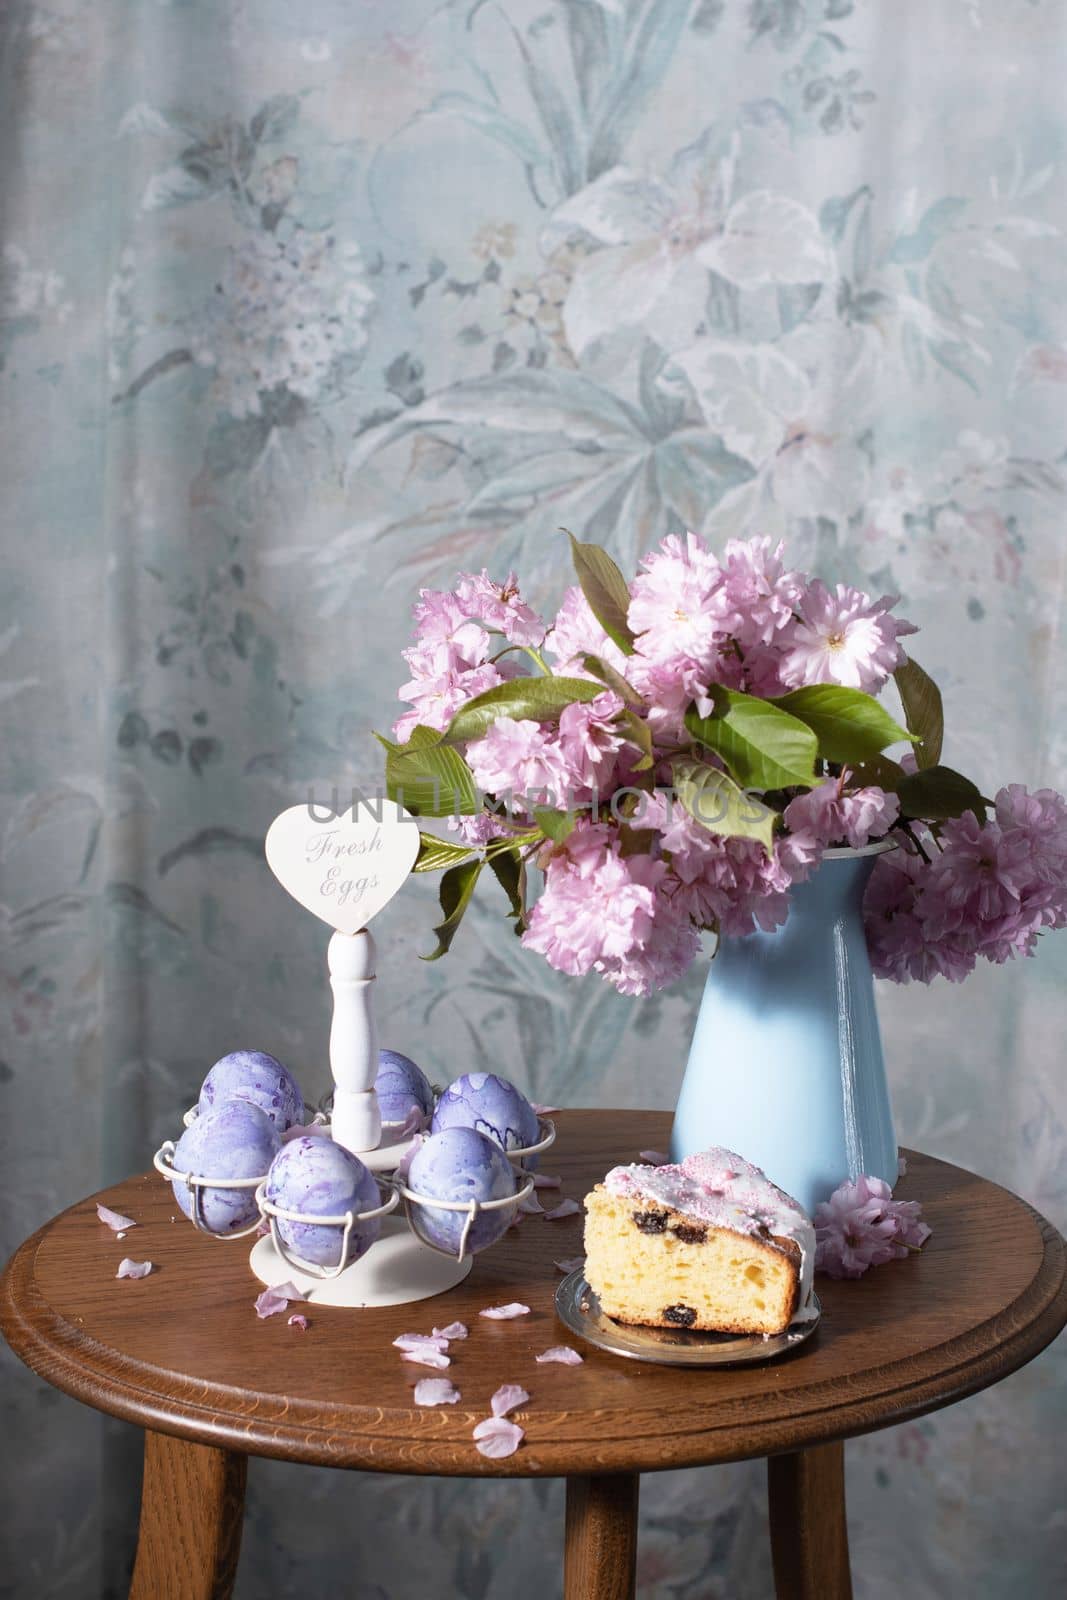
(675, 753)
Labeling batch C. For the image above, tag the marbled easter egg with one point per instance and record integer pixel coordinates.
(253, 1075)
(322, 1179)
(460, 1164)
(491, 1105)
(402, 1087)
(232, 1140)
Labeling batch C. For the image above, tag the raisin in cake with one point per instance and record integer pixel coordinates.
(711, 1244)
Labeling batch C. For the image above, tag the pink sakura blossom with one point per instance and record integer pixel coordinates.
(680, 612)
(506, 1398)
(436, 1392)
(437, 697)
(519, 757)
(898, 943)
(505, 1313)
(114, 1219)
(479, 829)
(862, 1226)
(496, 1438)
(603, 911)
(561, 1354)
(589, 740)
(835, 816)
(759, 592)
(843, 636)
(500, 606)
(576, 632)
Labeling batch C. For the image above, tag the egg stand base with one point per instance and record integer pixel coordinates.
(397, 1270)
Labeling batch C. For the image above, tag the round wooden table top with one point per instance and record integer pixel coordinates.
(182, 1351)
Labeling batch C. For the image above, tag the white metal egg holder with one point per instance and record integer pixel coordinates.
(308, 854)
(473, 1208)
(547, 1130)
(163, 1161)
(270, 1213)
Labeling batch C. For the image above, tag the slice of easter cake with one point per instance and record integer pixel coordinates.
(710, 1244)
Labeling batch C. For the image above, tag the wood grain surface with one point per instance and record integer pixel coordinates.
(192, 1514)
(809, 1534)
(600, 1538)
(183, 1352)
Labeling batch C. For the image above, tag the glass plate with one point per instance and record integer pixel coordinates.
(579, 1308)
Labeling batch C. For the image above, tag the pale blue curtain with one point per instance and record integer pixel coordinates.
(305, 306)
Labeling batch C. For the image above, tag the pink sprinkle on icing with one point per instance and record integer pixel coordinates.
(496, 1437)
(114, 1219)
(275, 1299)
(507, 1397)
(134, 1269)
(427, 1357)
(505, 1313)
(569, 1264)
(561, 1353)
(455, 1330)
(566, 1208)
(543, 1180)
(298, 1320)
(436, 1392)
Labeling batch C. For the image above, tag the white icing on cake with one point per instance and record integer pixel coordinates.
(721, 1189)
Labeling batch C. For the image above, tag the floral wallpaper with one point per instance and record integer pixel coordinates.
(304, 307)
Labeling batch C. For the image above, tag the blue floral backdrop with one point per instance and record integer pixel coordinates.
(302, 307)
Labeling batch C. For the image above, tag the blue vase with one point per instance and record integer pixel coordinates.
(786, 1065)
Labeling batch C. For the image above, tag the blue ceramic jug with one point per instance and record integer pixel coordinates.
(786, 1065)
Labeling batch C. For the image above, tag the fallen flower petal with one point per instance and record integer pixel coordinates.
(530, 1206)
(298, 1320)
(543, 1111)
(421, 1341)
(276, 1298)
(134, 1269)
(542, 1180)
(902, 1166)
(569, 1264)
(862, 1226)
(562, 1353)
(436, 1392)
(426, 1357)
(496, 1437)
(507, 1397)
(505, 1313)
(121, 1235)
(455, 1330)
(566, 1208)
(655, 1158)
(114, 1219)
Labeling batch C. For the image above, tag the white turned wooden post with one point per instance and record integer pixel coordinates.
(356, 1120)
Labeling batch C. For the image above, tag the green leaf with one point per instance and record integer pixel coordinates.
(636, 731)
(849, 725)
(937, 793)
(722, 806)
(764, 748)
(613, 680)
(457, 886)
(435, 853)
(878, 770)
(510, 871)
(921, 699)
(539, 699)
(555, 825)
(605, 589)
(428, 778)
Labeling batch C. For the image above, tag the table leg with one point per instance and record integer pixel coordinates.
(809, 1537)
(601, 1536)
(192, 1505)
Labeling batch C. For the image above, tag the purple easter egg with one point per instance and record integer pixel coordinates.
(254, 1075)
(493, 1106)
(232, 1140)
(402, 1087)
(460, 1164)
(323, 1179)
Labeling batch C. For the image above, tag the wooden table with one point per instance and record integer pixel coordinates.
(182, 1354)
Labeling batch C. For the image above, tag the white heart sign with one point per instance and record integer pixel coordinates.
(347, 867)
